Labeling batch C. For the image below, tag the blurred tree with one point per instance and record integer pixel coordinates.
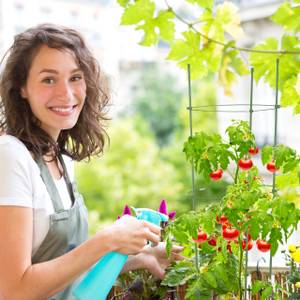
(131, 172)
(157, 97)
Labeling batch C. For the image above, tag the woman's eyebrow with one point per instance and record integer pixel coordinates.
(56, 72)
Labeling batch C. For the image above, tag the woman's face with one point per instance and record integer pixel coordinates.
(55, 89)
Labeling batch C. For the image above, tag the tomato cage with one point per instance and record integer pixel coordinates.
(277, 275)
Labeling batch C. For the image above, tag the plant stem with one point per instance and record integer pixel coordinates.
(237, 168)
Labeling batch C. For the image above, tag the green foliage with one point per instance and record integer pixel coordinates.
(208, 43)
(264, 288)
(141, 14)
(130, 172)
(210, 152)
(288, 17)
(284, 157)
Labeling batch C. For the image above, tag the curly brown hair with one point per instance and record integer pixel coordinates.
(88, 136)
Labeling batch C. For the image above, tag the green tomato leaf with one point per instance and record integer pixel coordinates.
(257, 286)
(266, 292)
(210, 279)
(266, 154)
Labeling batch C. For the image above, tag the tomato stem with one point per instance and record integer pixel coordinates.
(236, 175)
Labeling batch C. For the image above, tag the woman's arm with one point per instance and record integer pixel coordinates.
(19, 279)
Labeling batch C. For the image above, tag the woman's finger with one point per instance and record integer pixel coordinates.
(152, 227)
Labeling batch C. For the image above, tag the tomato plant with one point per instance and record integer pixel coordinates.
(248, 211)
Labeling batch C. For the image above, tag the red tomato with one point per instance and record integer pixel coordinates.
(271, 167)
(216, 175)
(253, 150)
(250, 244)
(263, 246)
(230, 234)
(221, 220)
(245, 164)
(202, 237)
(212, 241)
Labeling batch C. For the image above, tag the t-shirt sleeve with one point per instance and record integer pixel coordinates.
(15, 176)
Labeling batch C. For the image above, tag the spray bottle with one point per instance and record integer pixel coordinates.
(100, 279)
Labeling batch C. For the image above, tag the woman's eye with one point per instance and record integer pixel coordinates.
(76, 77)
(48, 80)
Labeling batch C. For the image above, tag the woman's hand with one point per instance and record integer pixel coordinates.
(130, 235)
(155, 259)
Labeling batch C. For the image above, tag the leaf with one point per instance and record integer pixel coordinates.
(228, 18)
(138, 11)
(275, 238)
(230, 66)
(266, 292)
(210, 279)
(266, 154)
(123, 3)
(257, 285)
(290, 96)
(288, 180)
(264, 63)
(288, 17)
(187, 51)
(164, 21)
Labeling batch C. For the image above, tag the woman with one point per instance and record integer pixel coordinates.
(52, 111)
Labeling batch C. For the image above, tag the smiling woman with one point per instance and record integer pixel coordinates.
(53, 97)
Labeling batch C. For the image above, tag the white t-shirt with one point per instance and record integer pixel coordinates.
(22, 185)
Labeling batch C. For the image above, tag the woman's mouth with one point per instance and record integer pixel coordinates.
(63, 110)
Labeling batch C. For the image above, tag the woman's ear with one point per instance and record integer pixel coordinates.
(24, 92)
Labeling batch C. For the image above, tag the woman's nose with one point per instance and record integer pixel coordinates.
(64, 90)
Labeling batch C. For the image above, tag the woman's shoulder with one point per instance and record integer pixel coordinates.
(10, 140)
(12, 147)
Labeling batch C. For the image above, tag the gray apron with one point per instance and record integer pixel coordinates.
(67, 228)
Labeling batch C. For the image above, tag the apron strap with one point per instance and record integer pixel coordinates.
(67, 179)
(50, 185)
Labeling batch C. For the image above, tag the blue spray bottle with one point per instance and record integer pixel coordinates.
(100, 279)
